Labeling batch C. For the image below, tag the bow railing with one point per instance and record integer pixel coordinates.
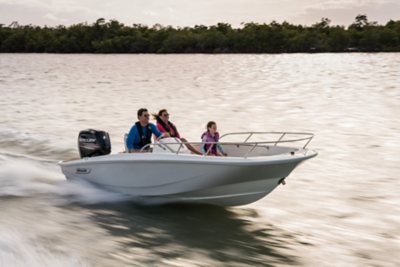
(252, 145)
(250, 134)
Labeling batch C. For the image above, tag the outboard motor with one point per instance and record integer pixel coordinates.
(93, 143)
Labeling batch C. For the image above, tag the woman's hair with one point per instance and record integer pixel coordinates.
(210, 123)
(157, 117)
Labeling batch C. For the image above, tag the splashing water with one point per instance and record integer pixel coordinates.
(25, 179)
(27, 250)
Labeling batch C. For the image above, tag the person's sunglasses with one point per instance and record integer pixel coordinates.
(166, 115)
(146, 115)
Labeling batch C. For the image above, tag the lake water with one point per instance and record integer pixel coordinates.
(341, 208)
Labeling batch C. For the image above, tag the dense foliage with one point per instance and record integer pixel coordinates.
(115, 37)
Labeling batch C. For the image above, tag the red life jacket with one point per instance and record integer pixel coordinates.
(211, 138)
(173, 133)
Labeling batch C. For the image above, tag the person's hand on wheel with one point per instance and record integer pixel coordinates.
(225, 154)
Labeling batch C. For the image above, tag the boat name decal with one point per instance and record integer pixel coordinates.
(82, 171)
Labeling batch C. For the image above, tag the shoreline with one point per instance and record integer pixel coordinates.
(275, 38)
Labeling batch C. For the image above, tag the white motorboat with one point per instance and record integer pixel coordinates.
(249, 172)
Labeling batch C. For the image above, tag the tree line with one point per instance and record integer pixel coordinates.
(115, 37)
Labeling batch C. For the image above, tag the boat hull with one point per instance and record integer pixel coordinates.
(188, 178)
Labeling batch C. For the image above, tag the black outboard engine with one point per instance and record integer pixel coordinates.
(93, 143)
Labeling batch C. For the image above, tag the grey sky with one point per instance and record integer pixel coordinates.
(190, 12)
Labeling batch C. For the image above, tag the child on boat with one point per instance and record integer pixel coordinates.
(211, 135)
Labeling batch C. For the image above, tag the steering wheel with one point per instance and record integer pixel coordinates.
(159, 138)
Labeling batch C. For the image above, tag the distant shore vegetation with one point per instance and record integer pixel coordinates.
(115, 37)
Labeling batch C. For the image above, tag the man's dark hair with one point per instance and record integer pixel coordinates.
(140, 111)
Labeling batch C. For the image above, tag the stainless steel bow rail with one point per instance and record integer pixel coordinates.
(309, 138)
(253, 145)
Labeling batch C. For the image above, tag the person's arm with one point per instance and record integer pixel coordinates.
(161, 128)
(156, 132)
(220, 148)
(203, 145)
(131, 138)
(222, 151)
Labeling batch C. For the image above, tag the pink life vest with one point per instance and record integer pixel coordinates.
(211, 138)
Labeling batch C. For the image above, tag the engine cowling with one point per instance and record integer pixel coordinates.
(93, 143)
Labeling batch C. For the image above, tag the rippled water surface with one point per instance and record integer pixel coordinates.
(341, 208)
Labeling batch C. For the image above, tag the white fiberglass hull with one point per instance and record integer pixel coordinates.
(215, 180)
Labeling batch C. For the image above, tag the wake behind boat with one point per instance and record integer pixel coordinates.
(250, 172)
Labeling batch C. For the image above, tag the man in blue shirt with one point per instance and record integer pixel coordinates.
(141, 132)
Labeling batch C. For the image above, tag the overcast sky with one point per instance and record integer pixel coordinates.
(191, 12)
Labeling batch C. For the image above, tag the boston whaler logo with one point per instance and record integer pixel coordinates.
(82, 171)
(87, 140)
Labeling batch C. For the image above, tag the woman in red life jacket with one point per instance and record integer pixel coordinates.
(165, 126)
(211, 135)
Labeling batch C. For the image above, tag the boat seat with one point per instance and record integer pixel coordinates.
(170, 145)
(126, 148)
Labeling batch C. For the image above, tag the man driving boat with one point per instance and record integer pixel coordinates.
(141, 132)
